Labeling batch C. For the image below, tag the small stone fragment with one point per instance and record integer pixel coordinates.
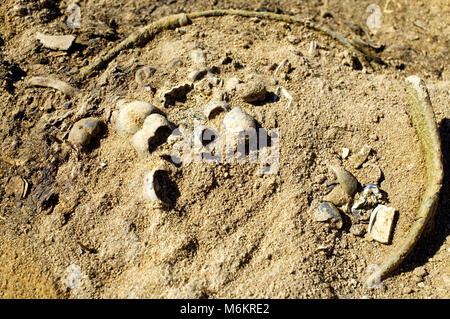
(370, 174)
(252, 91)
(420, 272)
(338, 196)
(74, 20)
(213, 108)
(231, 84)
(82, 132)
(56, 42)
(197, 75)
(293, 39)
(359, 158)
(345, 152)
(327, 212)
(176, 94)
(131, 117)
(380, 224)
(320, 179)
(143, 74)
(446, 279)
(153, 130)
(324, 248)
(175, 64)
(198, 57)
(407, 290)
(358, 229)
(237, 121)
(348, 182)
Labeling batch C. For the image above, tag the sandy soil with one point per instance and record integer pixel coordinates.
(83, 228)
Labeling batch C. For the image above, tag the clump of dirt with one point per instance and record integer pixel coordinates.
(83, 228)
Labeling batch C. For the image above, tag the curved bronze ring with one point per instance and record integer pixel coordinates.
(421, 113)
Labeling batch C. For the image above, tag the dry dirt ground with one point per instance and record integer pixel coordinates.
(83, 228)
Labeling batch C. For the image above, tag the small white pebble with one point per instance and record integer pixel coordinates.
(345, 152)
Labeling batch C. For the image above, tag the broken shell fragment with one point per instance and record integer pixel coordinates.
(345, 179)
(213, 108)
(237, 121)
(176, 94)
(283, 69)
(285, 93)
(152, 185)
(56, 42)
(380, 225)
(197, 135)
(17, 186)
(82, 132)
(132, 116)
(153, 131)
(327, 212)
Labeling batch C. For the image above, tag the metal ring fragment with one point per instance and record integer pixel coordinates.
(422, 117)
